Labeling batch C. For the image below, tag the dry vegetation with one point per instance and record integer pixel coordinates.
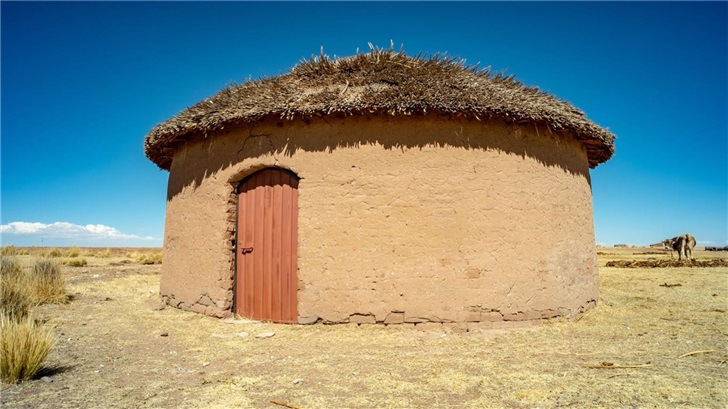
(25, 341)
(657, 338)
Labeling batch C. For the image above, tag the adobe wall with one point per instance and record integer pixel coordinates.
(400, 219)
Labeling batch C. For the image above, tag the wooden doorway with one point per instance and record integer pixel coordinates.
(266, 282)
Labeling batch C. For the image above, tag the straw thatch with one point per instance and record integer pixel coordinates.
(381, 82)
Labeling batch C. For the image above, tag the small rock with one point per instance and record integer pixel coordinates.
(297, 381)
(46, 379)
(205, 364)
(242, 334)
(218, 336)
(164, 334)
(308, 320)
(155, 305)
(265, 335)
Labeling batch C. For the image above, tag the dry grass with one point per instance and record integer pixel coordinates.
(17, 293)
(380, 83)
(50, 287)
(9, 251)
(24, 342)
(644, 345)
(75, 262)
(24, 346)
(30, 282)
(145, 258)
(54, 252)
(89, 256)
(73, 252)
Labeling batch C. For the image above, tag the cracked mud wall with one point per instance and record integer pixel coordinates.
(401, 220)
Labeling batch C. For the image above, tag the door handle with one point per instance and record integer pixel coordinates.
(246, 250)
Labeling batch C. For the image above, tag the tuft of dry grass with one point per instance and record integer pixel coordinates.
(54, 252)
(73, 252)
(50, 287)
(16, 289)
(145, 258)
(24, 345)
(76, 262)
(8, 251)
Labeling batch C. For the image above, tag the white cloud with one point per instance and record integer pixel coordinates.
(65, 230)
(22, 228)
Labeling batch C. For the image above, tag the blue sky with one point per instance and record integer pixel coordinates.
(83, 83)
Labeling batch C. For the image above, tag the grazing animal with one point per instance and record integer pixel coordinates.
(667, 244)
(683, 244)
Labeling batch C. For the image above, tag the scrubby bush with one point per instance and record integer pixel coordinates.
(24, 345)
(50, 287)
(104, 254)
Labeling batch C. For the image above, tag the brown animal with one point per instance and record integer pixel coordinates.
(682, 244)
(667, 244)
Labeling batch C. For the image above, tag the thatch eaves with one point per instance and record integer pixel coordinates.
(381, 82)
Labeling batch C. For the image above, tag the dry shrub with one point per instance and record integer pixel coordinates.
(50, 287)
(17, 290)
(24, 345)
(104, 254)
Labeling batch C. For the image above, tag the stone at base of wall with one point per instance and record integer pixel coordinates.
(485, 319)
(460, 327)
(206, 306)
(308, 320)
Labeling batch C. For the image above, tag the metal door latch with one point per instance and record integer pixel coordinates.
(246, 250)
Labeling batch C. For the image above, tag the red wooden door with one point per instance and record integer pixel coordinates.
(267, 243)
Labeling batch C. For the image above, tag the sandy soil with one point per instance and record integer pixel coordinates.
(118, 346)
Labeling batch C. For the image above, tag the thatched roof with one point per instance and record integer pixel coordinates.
(381, 82)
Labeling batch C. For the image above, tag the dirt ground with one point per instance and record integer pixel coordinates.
(657, 338)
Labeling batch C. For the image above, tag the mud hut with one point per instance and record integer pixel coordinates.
(380, 188)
